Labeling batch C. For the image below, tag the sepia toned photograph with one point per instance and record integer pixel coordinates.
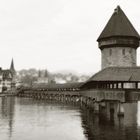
(69, 70)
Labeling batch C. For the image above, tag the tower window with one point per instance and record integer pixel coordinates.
(123, 51)
(130, 51)
(110, 52)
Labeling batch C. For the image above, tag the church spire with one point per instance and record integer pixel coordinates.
(12, 68)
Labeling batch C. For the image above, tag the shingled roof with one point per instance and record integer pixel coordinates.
(118, 25)
(59, 86)
(117, 74)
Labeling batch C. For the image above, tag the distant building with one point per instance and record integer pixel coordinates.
(7, 78)
(43, 77)
(118, 43)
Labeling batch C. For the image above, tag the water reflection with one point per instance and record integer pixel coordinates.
(28, 119)
(6, 116)
(108, 126)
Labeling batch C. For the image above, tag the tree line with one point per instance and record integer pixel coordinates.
(31, 76)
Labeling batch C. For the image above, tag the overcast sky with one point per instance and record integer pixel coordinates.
(57, 34)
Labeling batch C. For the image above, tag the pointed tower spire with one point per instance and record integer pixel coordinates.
(39, 73)
(118, 26)
(12, 68)
(46, 73)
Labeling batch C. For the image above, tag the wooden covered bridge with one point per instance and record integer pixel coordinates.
(111, 84)
(115, 78)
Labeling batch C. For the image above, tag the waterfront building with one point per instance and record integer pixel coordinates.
(118, 43)
(7, 78)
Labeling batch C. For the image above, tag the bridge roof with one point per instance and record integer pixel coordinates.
(126, 74)
(59, 86)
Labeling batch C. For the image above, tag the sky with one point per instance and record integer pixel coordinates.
(57, 35)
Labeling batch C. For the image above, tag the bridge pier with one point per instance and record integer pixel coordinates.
(101, 102)
(96, 107)
(102, 108)
(120, 109)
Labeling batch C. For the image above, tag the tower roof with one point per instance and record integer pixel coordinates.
(118, 25)
(12, 68)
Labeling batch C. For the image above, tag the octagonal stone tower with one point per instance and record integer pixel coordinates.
(118, 41)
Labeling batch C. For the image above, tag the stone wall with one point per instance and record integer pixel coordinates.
(118, 56)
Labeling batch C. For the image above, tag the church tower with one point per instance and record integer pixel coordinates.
(118, 41)
(12, 68)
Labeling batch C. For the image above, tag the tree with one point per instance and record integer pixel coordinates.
(28, 79)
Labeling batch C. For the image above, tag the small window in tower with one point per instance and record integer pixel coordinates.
(110, 52)
(130, 51)
(123, 51)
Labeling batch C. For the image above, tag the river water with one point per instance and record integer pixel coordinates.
(29, 119)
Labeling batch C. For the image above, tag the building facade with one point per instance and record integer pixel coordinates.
(7, 78)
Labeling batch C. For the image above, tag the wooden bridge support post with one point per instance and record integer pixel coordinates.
(120, 110)
(111, 111)
(96, 107)
(102, 108)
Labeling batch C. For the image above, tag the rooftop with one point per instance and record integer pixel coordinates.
(118, 26)
(59, 86)
(7, 74)
(117, 74)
